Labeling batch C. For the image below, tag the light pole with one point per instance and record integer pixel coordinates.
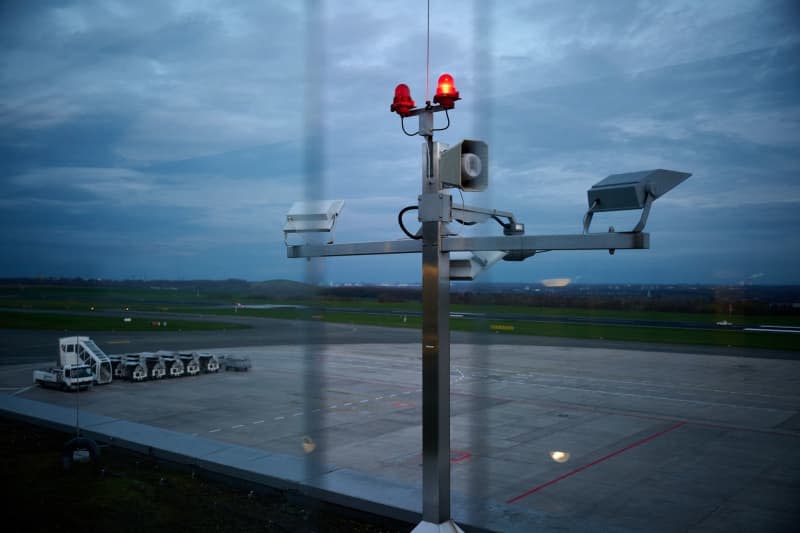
(435, 348)
(465, 166)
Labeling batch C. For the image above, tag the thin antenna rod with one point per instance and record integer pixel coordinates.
(428, 56)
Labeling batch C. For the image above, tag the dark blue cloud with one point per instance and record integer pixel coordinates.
(84, 141)
(168, 141)
(269, 161)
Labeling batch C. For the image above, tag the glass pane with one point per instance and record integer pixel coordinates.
(150, 157)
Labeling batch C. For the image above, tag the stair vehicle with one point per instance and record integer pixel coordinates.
(83, 350)
(80, 363)
(80, 360)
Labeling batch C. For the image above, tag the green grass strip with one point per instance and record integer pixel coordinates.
(646, 334)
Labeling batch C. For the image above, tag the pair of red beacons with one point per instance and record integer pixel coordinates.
(446, 96)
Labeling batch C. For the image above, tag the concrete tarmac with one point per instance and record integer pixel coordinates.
(619, 438)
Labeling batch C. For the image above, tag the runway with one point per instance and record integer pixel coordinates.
(624, 439)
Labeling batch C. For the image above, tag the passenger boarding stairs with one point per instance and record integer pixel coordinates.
(83, 350)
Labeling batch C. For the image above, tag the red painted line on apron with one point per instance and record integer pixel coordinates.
(595, 462)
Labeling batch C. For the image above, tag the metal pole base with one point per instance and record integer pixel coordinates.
(444, 527)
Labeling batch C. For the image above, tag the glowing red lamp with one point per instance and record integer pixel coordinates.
(446, 92)
(402, 103)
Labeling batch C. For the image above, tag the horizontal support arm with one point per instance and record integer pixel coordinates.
(356, 248)
(420, 110)
(515, 243)
(521, 243)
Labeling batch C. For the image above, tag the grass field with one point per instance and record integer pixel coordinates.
(227, 307)
(709, 337)
(86, 299)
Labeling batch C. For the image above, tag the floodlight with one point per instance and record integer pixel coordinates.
(632, 190)
(619, 192)
(466, 266)
(318, 216)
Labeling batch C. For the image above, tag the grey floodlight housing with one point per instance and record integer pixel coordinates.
(632, 190)
(317, 216)
(465, 166)
(466, 266)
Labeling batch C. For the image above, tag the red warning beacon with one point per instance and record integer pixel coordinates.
(446, 92)
(402, 103)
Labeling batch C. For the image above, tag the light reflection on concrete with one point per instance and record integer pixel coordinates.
(559, 457)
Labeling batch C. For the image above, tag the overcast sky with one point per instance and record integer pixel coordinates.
(168, 139)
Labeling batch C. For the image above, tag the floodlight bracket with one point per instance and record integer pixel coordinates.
(469, 214)
(648, 203)
(473, 214)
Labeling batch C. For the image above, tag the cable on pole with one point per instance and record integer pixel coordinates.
(402, 226)
(403, 126)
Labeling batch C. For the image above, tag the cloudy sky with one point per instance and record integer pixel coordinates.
(168, 139)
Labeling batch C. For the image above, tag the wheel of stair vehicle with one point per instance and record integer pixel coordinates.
(176, 369)
(139, 373)
(208, 362)
(193, 368)
(158, 371)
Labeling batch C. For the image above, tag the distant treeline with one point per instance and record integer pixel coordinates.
(744, 300)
